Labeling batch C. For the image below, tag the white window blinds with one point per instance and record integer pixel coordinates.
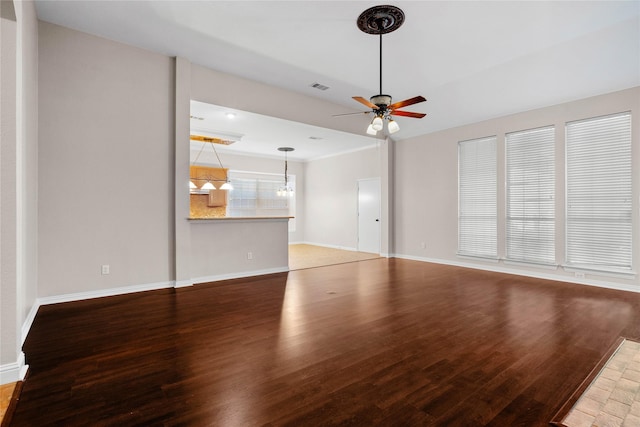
(530, 222)
(255, 194)
(599, 193)
(477, 198)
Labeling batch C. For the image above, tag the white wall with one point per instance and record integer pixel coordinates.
(331, 205)
(105, 164)
(426, 185)
(18, 190)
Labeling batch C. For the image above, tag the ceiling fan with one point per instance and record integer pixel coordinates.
(382, 20)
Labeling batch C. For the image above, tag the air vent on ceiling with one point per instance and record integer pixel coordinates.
(197, 118)
(319, 86)
(315, 137)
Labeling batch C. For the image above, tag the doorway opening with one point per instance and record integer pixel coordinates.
(303, 256)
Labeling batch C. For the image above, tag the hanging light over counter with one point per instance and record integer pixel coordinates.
(285, 190)
(226, 185)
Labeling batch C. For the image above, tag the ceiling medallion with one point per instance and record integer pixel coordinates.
(380, 19)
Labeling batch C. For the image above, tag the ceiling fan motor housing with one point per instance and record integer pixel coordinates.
(382, 101)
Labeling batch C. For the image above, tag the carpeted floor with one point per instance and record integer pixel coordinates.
(613, 398)
(309, 256)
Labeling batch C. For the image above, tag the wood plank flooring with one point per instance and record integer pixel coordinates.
(386, 342)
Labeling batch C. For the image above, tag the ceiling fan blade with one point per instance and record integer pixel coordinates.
(350, 114)
(363, 101)
(411, 101)
(408, 114)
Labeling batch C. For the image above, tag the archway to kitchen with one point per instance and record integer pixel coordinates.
(324, 167)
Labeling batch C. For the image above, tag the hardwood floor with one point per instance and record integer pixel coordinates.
(381, 342)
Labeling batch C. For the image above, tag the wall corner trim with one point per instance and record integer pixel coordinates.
(183, 283)
(26, 326)
(13, 372)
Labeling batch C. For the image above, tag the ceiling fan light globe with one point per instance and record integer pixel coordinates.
(226, 186)
(192, 186)
(208, 186)
(377, 123)
(393, 126)
(371, 130)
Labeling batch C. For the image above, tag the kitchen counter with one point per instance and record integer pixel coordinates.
(241, 218)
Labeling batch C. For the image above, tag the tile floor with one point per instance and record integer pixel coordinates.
(613, 398)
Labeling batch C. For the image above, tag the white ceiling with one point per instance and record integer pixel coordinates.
(261, 135)
(472, 60)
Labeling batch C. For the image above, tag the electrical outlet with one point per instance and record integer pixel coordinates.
(423, 245)
(249, 255)
(579, 275)
(105, 269)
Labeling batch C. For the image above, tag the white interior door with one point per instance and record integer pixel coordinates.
(369, 215)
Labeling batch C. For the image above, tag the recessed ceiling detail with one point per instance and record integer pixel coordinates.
(381, 19)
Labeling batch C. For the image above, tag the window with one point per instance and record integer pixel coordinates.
(255, 194)
(477, 198)
(530, 222)
(599, 193)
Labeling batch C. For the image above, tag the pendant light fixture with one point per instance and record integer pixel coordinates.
(285, 190)
(209, 184)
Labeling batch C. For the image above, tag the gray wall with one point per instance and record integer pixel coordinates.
(331, 210)
(108, 152)
(426, 205)
(105, 164)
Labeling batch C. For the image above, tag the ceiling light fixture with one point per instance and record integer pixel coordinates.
(286, 190)
(207, 186)
(393, 126)
(379, 20)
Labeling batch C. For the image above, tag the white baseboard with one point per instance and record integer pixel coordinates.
(13, 372)
(183, 283)
(105, 293)
(219, 277)
(498, 268)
